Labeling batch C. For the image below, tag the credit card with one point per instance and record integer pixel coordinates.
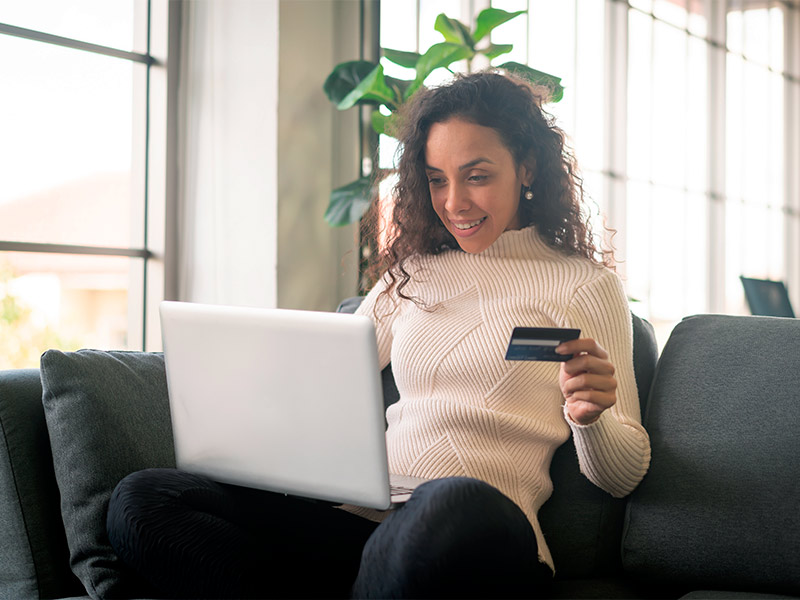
(539, 343)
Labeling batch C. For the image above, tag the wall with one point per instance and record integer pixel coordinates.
(317, 151)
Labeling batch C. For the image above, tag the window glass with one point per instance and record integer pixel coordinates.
(670, 107)
(671, 11)
(735, 32)
(682, 230)
(552, 25)
(698, 18)
(69, 175)
(696, 99)
(62, 301)
(398, 19)
(513, 32)
(72, 163)
(755, 219)
(428, 11)
(587, 92)
(104, 22)
(775, 39)
(696, 224)
(756, 36)
(735, 133)
(640, 95)
(594, 185)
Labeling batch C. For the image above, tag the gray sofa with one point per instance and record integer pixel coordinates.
(717, 516)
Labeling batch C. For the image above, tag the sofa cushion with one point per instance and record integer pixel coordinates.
(108, 415)
(718, 507)
(34, 559)
(583, 523)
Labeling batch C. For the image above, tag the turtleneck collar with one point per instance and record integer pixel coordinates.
(517, 243)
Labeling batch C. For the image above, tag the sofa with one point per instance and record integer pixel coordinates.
(717, 515)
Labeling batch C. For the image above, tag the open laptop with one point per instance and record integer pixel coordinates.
(767, 298)
(283, 400)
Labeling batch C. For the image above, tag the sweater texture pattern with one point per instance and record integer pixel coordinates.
(466, 411)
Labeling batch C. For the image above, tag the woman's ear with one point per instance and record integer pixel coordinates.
(528, 172)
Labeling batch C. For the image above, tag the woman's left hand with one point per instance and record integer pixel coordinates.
(587, 380)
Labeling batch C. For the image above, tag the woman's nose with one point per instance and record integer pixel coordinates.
(457, 199)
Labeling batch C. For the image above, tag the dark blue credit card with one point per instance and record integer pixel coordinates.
(539, 343)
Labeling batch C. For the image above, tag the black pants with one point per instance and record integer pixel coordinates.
(191, 537)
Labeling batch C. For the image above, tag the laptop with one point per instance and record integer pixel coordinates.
(283, 400)
(767, 298)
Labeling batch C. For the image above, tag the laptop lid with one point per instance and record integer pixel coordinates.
(284, 400)
(767, 298)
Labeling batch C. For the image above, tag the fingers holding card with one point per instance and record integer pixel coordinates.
(539, 343)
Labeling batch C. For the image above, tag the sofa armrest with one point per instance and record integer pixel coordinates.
(34, 559)
(718, 507)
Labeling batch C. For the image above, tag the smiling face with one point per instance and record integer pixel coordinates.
(474, 182)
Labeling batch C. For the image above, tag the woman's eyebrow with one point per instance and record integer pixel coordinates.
(477, 161)
(467, 165)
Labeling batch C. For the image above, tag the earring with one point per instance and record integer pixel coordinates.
(528, 194)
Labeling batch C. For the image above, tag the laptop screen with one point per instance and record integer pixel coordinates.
(767, 298)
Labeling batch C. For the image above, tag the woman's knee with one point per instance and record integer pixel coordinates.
(145, 487)
(455, 534)
(464, 501)
(146, 495)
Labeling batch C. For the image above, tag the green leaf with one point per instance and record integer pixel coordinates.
(345, 78)
(379, 121)
(349, 203)
(490, 18)
(400, 85)
(371, 90)
(495, 50)
(402, 58)
(454, 31)
(537, 78)
(412, 89)
(441, 55)
(384, 124)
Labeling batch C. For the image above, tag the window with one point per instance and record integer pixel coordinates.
(707, 194)
(75, 112)
(684, 118)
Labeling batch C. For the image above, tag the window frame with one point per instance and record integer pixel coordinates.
(154, 146)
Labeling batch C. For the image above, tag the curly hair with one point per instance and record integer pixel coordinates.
(513, 108)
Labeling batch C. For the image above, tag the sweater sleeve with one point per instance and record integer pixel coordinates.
(383, 310)
(614, 451)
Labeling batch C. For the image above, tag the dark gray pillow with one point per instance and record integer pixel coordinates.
(107, 415)
(718, 507)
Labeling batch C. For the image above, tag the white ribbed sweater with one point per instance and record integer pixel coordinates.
(466, 411)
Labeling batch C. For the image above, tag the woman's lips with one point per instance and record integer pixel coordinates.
(464, 228)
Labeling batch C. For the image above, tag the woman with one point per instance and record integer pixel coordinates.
(487, 234)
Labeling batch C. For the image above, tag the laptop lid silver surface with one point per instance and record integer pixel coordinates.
(283, 400)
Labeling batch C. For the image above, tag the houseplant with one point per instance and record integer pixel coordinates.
(361, 82)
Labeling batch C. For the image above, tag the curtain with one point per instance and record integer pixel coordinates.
(227, 152)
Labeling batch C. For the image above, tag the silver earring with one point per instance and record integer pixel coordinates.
(528, 194)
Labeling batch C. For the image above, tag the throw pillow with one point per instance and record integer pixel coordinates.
(108, 415)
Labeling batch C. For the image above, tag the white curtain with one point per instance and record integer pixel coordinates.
(227, 204)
